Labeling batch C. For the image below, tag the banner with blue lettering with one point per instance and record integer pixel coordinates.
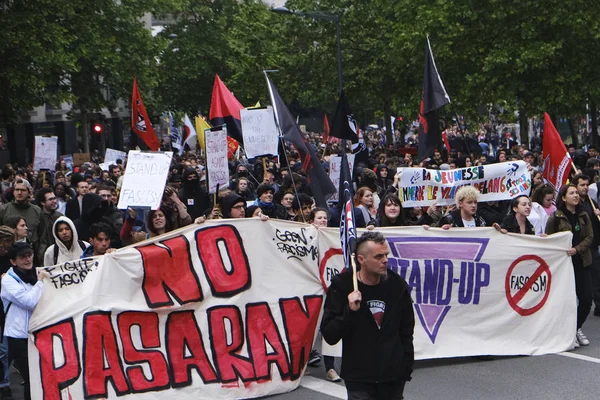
(501, 181)
(477, 291)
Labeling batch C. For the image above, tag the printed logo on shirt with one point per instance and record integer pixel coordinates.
(377, 308)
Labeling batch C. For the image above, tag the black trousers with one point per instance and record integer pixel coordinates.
(375, 391)
(583, 289)
(17, 350)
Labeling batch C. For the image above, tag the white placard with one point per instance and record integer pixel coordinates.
(113, 155)
(335, 167)
(145, 178)
(46, 150)
(259, 131)
(217, 166)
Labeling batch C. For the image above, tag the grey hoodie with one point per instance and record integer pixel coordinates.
(64, 254)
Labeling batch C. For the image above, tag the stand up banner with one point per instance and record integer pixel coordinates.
(217, 167)
(195, 314)
(46, 151)
(259, 131)
(145, 179)
(501, 181)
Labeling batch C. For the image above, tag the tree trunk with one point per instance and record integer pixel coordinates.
(524, 128)
(594, 127)
(574, 138)
(84, 130)
(389, 129)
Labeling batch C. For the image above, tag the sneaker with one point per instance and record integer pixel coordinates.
(581, 338)
(314, 359)
(6, 393)
(333, 376)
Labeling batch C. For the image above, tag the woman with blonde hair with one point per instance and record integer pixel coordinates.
(465, 214)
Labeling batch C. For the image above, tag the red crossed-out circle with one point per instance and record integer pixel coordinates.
(328, 254)
(513, 300)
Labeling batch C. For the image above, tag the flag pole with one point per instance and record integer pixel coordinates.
(354, 277)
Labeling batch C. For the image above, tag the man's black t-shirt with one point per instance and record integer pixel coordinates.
(374, 297)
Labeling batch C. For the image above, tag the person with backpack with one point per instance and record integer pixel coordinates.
(68, 246)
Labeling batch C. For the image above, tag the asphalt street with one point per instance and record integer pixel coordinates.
(573, 375)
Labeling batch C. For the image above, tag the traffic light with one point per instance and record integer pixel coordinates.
(97, 128)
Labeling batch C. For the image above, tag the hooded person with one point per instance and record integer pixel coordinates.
(233, 206)
(264, 194)
(95, 209)
(68, 246)
(192, 195)
(384, 183)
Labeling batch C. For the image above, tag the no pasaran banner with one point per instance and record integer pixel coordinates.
(500, 181)
(229, 309)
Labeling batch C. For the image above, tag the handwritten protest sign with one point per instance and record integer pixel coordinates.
(205, 317)
(80, 158)
(145, 178)
(259, 131)
(111, 156)
(335, 167)
(46, 150)
(502, 181)
(217, 168)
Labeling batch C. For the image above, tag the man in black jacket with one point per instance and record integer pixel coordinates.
(375, 322)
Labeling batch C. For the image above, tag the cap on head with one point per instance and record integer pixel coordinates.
(19, 249)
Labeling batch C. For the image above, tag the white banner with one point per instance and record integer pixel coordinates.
(501, 181)
(145, 178)
(477, 291)
(217, 166)
(335, 168)
(195, 314)
(259, 131)
(46, 151)
(111, 156)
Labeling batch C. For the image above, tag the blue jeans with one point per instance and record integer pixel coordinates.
(5, 365)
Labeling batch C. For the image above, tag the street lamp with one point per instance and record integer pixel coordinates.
(326, 17)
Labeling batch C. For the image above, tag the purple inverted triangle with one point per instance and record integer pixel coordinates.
(431, 317)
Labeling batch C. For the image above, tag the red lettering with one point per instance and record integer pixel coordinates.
(446, 192)
(100, 349)
(182, 333)
(147, 322)
(261, 328)
(54, 379)
(169, 270)
(226, 344)
(300, 327)
(223, 283)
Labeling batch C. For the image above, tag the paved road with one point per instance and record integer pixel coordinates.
(573, 375)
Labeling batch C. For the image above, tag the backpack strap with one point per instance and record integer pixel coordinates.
(82, 245)
(55, 254)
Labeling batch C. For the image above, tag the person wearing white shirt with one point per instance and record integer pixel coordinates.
(21, 291)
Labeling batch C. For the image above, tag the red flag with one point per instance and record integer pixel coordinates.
(140, 123)
(326, 129)
(446, 142)
(557, 161)
(225, 110)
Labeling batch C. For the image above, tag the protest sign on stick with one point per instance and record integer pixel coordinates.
(46, 150)
(111, 156)
(259, 131)
(80, 158)
(145, 178)
(217, 167)
(502, 181)
(68, 158)
(335, 166)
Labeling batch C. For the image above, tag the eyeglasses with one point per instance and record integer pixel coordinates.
(25, 256)
(238, 207)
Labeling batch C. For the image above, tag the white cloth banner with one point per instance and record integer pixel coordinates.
(335, 168)
(477, 291)
(145, 178)
(46, 151)
(259, 131)
(111, 156)
(195, 314)
(216, 158)
(501, 181)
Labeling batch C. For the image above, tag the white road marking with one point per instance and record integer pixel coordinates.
(580, 357)
(325, 387)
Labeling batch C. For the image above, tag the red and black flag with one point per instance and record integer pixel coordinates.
(347, 221)
(344, 125)
(225, 110)
(326, 129)
(140, 123)
(433, 97)
(321, 186)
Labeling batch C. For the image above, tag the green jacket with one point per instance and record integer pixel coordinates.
(36, 223)
(558, 222)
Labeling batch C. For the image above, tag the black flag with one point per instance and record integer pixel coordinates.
(344, 125)
(433, 97)
(321, 186)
